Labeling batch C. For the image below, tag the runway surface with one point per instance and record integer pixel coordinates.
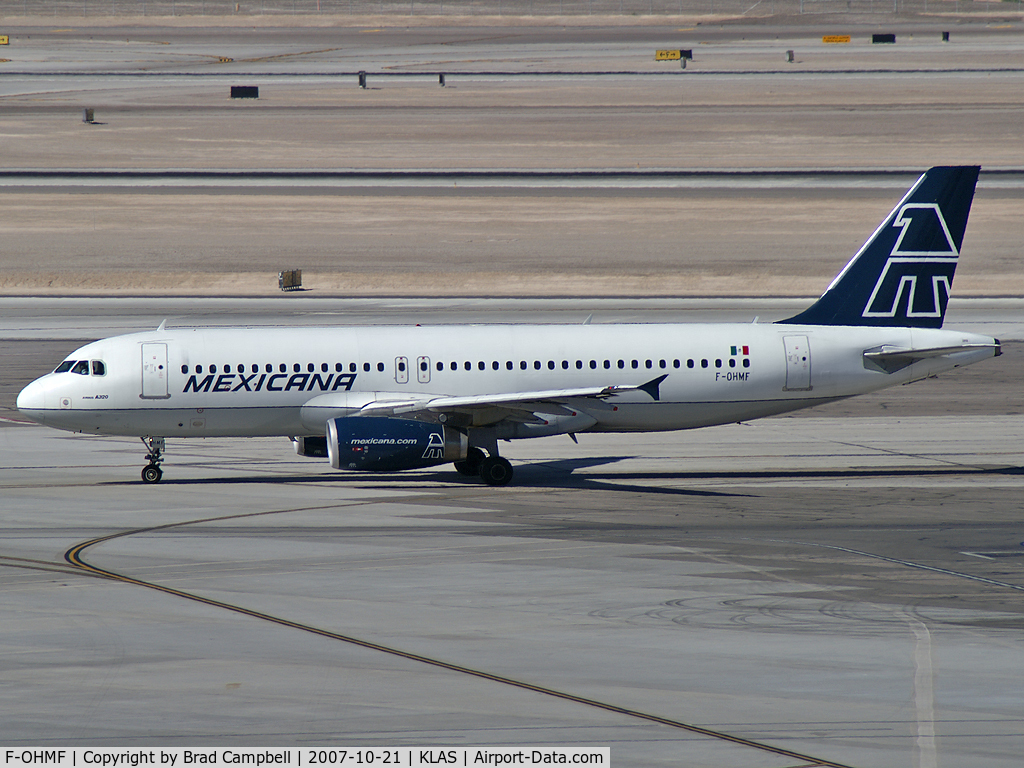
(840, 586)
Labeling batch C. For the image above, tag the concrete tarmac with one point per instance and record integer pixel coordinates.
(845, 588)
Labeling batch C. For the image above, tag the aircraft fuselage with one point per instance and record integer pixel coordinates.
(277, 381)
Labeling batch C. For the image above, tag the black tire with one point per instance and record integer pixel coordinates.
(151, 473)
(496, 471)
(470, 466)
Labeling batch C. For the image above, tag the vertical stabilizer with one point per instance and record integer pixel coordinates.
(903, 274)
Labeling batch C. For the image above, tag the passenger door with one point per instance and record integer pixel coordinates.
(798, 363)
(154, 371)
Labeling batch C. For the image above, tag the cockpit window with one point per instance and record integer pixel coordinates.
(99, 368)
(64, 367)
(82, 367)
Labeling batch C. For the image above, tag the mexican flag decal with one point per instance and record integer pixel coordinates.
(739, 350)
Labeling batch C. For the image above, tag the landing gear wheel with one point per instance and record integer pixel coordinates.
(471, 464)
(152, 472)
(495, 470)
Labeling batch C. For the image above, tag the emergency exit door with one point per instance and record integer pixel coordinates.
(423, 370)
(798, 363)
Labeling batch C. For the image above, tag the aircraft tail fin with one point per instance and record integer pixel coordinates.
(903, 274)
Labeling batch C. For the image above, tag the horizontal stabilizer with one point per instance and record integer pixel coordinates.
(890, 359)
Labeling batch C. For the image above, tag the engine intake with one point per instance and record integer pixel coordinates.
(383, 444)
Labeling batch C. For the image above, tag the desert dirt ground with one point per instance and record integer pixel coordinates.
(160, 94)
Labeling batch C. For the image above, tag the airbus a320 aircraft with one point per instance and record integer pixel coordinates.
(389, 398)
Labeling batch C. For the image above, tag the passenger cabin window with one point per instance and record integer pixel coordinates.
(64, 367)
(82, 367)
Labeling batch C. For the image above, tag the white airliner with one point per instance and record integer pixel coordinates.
(388, 398)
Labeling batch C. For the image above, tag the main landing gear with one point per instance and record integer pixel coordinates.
(152, 473)
(493, 469)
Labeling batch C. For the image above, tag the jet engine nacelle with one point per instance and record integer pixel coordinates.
(384, 444)
(313, 447)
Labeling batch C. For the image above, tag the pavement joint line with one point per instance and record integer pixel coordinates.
(478, 173)
(549, 73)
(74, 557)
(907, 563)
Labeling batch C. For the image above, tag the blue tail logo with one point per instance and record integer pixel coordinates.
(918, 276)
(903, 274)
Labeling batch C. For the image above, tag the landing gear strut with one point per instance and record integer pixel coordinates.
(152, 473)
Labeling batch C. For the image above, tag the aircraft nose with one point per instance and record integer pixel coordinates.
(32, 400)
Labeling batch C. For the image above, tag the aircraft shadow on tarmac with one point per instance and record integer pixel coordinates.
(562, 474)
(557, 474)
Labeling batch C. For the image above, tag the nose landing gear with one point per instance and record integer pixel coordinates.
(152, 473)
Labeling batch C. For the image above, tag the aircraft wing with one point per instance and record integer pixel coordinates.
(547, 400)
(891, 359)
